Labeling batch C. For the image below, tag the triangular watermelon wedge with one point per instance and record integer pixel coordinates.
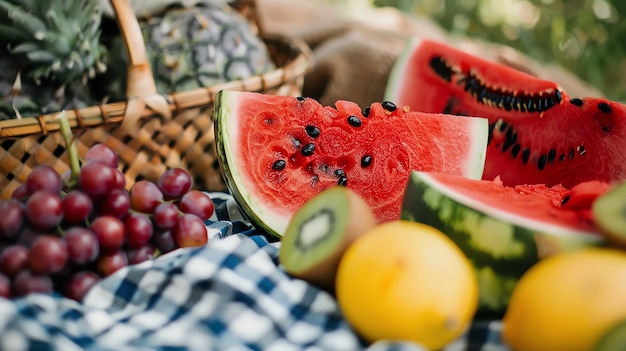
(538, 133)
(277, 152)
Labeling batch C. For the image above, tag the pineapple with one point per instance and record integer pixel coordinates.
(143, 8)
(49, 50)
(192, 47)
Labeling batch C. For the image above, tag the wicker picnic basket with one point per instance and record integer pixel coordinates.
(150, 132)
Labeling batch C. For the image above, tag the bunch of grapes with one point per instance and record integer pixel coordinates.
(65, 232)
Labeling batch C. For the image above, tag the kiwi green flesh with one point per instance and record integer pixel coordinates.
(609, 213)
(614, 339)
(315, 231)
(320, 232)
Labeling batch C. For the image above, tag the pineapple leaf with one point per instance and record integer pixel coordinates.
(40, 56)
(58, 39)
(27, 22)
(8, 33)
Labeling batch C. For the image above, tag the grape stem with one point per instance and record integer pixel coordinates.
(66, 132)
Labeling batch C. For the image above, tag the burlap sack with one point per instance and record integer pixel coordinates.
(354, 53)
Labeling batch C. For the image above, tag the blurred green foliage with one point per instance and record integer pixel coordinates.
(588, 37)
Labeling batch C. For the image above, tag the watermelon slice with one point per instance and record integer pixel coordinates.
(538, 134)
(503, 230)
(277, 152)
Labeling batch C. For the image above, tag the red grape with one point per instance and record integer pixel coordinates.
(110, 232)
(165, 215)
(102, 153)
(48, 254)
(190, 231)
(138, 228)
(28, 235)
(96, 179)
(145, 196)
(197, 203)
(12, 218)
(141, 254)
(13, 260)
(43, 177)
(111, 262)
(116, 204)
(44, 209)
(79, 284)
(120, 179)
(27, 282)
(174, 183)
(82, 245)
(64, 234)
(5, 287)
(164, 241)
(77, 206)
(20, 192)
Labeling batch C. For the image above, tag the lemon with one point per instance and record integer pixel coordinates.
(567, 301)
(407, 281)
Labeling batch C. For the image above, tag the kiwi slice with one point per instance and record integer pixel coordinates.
(609, 213)
(320, 232)
(614, 339)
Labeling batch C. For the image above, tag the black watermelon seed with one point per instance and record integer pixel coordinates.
(312, 131)
(389, 106)
(604, 107)
(506, 102)
(581, 150)
(366, 112)
(492, 126)
(571, 154)
(308, 149)
(540, 105)
(541, 163)
(515, 150)
(551, 155)
(565, 199)
(301, 98)
(503, 126)
(439, 66)
(366, 161)
(525, 155)
(557, 96)
(343, 181)
(354, 121)
(340, 173)
(576, 101)
(530, 106)
(279, 165)
(562, 157)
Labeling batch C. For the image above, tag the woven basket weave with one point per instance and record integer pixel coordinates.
(150, 132)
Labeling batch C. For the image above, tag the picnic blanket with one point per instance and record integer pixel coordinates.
(231, 294)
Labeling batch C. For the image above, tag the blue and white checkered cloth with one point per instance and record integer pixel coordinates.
(231, 294)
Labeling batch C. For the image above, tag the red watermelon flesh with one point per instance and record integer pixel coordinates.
(276, 152)
(525, 204)
(539, 135)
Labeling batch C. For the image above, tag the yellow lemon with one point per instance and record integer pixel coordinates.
(407, 281)
(567, 301)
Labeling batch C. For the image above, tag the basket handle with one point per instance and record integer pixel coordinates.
(141, 92)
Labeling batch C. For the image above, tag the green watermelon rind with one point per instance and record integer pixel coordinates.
(500, 246)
